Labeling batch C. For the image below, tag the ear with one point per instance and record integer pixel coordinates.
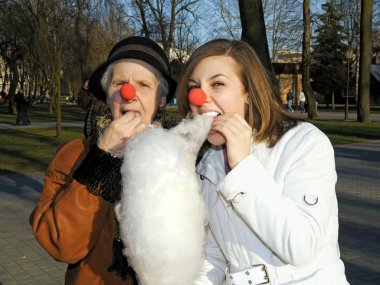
(246, 96)
(162, 102)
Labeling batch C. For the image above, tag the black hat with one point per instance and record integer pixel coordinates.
(138, 48)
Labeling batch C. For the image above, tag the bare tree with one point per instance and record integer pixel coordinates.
(253, 29)
(11, 49)
(306, 61)
(97, 25)
(284, 25)
(160, 18)
(351, 23)
(223, 19)
(376, 15)
(365, 61)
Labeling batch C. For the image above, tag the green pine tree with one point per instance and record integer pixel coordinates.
(328, 68)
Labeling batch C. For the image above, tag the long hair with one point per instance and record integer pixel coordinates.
(264, 111)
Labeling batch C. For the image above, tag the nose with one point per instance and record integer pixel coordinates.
(197, 97)
(127, 92)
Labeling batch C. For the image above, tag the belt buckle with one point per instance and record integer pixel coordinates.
(265, 271)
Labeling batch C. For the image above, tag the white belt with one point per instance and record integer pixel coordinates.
(255, 275)
(258, 274)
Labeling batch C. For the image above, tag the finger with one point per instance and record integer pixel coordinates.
(128, 116)
(234, 125)
(235, 119)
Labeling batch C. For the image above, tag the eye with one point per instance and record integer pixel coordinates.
(143, 84)
(217, 84)
(189, 88)
(118, 82)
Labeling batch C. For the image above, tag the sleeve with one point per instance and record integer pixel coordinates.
(290, 215)
(214, 266)
(68, 219)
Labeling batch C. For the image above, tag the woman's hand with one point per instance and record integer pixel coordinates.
(119, 131)
(238, 136)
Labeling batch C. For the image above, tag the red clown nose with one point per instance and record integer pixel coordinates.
(127, 91)
(197, 96)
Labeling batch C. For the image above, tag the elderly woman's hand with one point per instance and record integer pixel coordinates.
(119, 131)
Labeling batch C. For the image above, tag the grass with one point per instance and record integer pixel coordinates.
(40, 113)
(31, 149)
(344, 132)
(341, 108)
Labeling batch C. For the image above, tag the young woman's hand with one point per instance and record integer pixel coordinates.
(238, 136)
(119, 131)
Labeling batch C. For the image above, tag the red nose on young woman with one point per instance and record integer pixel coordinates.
(197, 96)
(127, 91)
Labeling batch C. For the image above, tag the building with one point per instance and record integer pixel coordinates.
(287, 69)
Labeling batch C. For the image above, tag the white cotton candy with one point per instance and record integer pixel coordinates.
(161, 212)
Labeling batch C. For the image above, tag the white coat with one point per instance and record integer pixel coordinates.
(277, 207)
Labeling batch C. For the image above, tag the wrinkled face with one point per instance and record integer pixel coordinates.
(143, 77)
(219, 78)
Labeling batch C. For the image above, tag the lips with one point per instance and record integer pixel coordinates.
(123, 112)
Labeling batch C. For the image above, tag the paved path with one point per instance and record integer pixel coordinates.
(358, 190)
(22, 261)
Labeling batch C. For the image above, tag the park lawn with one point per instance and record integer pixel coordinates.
(40, 113)
(344, 132)
(31, 149)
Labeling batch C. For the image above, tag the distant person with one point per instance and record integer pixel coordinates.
(3, 94)
(302, 101)
(316, 95)
(94, 107)
(22, 109)
(3, 97)
(289, 98)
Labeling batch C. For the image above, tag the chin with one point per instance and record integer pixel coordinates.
(216, 139)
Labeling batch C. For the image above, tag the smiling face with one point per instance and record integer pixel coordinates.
(219, 78)
(144, 79)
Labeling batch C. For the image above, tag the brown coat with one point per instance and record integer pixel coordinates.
(73, 225)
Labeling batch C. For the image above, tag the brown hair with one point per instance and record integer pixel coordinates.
(264, 111)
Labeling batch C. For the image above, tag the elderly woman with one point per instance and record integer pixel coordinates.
(74, 219)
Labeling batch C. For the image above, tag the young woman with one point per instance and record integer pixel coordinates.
(267, 178)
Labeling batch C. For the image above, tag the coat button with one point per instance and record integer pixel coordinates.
(202, 177)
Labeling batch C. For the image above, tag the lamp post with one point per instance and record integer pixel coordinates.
(348, 57)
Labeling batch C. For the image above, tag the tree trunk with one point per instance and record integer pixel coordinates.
(13, 78)
(306, 86)
(145, 29)
(365, 61)
(11, 95)
(58, 78)
(253, 29)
